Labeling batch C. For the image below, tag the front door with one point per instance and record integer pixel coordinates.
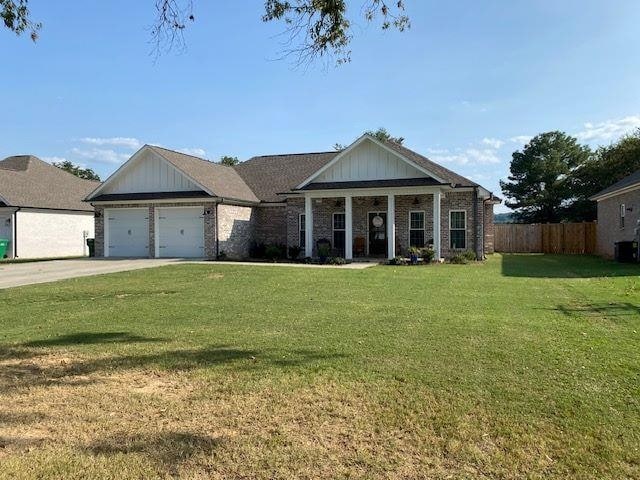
(377, 233)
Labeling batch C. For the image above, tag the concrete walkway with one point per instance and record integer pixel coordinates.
(18, 274)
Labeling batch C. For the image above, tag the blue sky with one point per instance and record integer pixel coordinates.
(466, 85)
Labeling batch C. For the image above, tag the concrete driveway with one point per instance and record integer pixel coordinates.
(17, 274)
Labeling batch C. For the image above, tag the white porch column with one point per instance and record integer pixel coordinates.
(308, 226)
(391, 226)
(437, 237)
(348, 228)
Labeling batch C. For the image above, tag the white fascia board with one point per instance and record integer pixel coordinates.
(351, 147)
(615, 193)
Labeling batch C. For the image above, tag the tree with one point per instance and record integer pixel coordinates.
(380, 134)
(76, 170)
(539, 186)
(229, 161)
(313, 28)
(606, 167)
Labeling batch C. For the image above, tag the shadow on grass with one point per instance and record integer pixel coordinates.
(564, 266)
(168, 449)
(608, 310)
(19, 373)
(90, 338)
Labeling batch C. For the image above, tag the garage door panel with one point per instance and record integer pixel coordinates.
(128, 232)
(181, 232)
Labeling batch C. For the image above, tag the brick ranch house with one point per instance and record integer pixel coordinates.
(372, 199)
(618, 214)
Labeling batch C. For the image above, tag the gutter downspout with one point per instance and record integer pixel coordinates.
(216, 229)
(476, 224)
(15, 233)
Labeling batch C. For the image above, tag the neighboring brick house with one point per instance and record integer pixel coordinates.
(618, 214)
(372, 199)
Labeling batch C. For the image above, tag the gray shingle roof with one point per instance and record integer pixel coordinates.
(271, 175)
(27, 181)
(629, 181)
(221, 180)
(447, 175)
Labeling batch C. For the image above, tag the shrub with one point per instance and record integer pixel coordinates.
(459, 259)
(273, 252)
(257, 250)
(397, 261)
(337, 261)
(469, 255)
(428, 254)
(294, 252)
(414, 251)
(222, 255)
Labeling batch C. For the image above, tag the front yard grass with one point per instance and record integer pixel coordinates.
(525, 366)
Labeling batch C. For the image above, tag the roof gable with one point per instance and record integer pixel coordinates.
(156, 169)
(369, 159)
(27, 181)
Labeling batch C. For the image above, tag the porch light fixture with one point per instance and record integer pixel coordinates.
(375, 202)
(416, 201)
(97, 214)
(338, 203)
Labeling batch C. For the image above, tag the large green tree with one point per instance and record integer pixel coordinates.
(76, 170)
(607, 166)
(539, 186)
(313, 28)
(229, 161)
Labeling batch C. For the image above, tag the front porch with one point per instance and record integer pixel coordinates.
(371, 224)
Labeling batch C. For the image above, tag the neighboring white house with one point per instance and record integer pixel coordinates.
(41, 209)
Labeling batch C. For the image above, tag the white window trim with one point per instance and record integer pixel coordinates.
(465, 228)
(334, 229)
(621, 220)
(424, 226)
(301, 225)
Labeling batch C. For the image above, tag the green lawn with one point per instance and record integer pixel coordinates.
(521, 367)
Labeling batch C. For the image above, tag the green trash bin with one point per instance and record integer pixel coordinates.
(91, 242)
(4, 243)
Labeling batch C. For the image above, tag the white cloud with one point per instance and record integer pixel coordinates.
(609, 129)
(101, 155)
(481, 156)
(127, 142)
(195, 151)
(492, 142)
(521, 139)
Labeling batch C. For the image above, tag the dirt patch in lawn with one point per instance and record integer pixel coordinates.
(141, 423)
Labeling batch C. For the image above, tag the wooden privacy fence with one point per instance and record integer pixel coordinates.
(573, 238)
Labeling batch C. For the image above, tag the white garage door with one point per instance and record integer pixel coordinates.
(181, 232)
(127, 233)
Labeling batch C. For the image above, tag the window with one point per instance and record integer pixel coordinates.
(458, 229)
(301, 230)
(622, 210)
(339, 233)
(416, 229)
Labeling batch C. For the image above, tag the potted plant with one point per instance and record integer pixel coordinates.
(413, 255)
(324, 249)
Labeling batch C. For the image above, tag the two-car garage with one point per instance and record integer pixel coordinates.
(179, 232)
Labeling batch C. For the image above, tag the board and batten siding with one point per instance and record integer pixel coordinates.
(369, 162)
(151, 174)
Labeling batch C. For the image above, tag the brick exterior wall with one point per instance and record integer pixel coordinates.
(271, 225)
(236, 225)
(609, 230)
(361, 206)
(489, 229)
